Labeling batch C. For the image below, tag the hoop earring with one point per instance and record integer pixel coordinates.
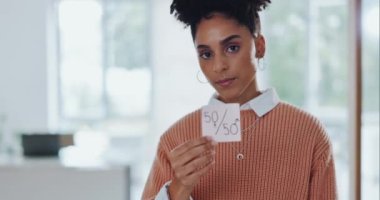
(199, 80)
(261, 66)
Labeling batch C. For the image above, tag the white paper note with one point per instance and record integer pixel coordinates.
(222, 122)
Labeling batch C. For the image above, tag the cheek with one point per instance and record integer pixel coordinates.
(246, 56)
(203, 66)
(245, 67)
(252, 55)
(206, 68)
(244, 62)
(247, 73)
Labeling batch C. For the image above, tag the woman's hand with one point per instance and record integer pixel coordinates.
(189, 162)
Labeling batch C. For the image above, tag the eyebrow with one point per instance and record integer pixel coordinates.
(223, 42)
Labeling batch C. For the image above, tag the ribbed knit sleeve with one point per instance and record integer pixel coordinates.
(322, 178)
(184, 129)
(159, 174)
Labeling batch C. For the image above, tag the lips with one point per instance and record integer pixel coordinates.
(225, 82)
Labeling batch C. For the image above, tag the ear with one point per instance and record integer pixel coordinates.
(260, 46)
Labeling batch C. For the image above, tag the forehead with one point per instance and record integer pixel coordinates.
(218, 27)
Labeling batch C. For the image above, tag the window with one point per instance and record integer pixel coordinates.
(308, 65)
(370, 103)
(104, 60)
(105, 80)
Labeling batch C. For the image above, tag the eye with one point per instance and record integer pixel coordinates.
(233, 48)
(205, 55)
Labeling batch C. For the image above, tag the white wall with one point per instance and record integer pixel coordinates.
(176, 88)
(23, 64)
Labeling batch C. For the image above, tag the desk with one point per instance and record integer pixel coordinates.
(47, 179)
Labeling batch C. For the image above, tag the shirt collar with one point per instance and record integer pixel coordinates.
(261, 105)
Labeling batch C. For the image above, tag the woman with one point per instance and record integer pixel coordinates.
(284, 152)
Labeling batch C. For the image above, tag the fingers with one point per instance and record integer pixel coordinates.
(191, 173)
(196, 164)
(192, 159)
(194, 149)
(193, 178)
(181, 149)
(195, 152)
(197, 174)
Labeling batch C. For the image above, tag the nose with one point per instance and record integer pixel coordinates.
(220, 64)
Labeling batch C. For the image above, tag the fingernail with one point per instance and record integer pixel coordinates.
(209, 138)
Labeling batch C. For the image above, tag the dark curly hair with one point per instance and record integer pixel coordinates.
(245, 12)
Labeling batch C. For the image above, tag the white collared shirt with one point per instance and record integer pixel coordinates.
(261, 105)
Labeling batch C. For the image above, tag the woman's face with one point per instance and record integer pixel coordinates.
(226, 54)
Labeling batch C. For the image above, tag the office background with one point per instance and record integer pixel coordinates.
(118, 73)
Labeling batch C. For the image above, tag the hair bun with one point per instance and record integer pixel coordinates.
(189, 11)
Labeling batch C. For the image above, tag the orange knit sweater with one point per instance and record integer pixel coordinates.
(288, 156)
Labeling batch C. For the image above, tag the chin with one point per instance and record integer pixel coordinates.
(229, 97)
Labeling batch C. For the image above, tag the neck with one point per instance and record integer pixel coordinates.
(250, 92)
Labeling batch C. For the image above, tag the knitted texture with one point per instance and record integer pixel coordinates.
(287, 155)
